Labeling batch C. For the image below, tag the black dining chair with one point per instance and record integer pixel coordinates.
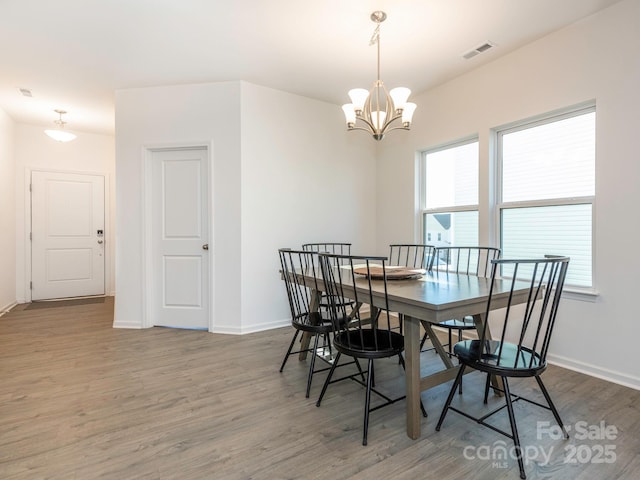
(414, 256)
(469, 261)
(520, 348)
(359, 334)
(330, 247)
(306, 314)
(336, 248)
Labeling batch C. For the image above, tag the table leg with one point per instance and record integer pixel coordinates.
(435, 341)
(412, 374)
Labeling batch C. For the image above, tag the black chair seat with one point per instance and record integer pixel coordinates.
(466, 323)
(314, 322)
(500, 358)
(369, 343)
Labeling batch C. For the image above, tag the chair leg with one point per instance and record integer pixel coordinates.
(327, 343)
(314, 354)
(359, 369)
(486, 387)
(367, 402)
(450, 397)
(328, 379)
(424, 339)
(552, 407)
(286, 357)
(514, 428)
(372, 374)
(450, 352)
(400, 323)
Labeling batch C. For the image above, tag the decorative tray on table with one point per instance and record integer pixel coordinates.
(393, 272)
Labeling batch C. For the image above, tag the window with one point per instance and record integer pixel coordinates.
(449, 193)
(547, 190)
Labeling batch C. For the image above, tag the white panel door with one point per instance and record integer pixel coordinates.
(67, 235)
(180, 226)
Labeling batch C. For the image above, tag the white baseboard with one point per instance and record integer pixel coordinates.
(586, 368)
(259, 327)
(7, 308)
(123, 324)
(595, 371)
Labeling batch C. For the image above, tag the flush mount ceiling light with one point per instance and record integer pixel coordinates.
(377, 109)
(60, 134)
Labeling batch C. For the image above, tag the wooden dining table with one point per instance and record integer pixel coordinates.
(433, 297)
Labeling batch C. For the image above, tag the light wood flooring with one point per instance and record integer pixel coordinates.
(81, 400)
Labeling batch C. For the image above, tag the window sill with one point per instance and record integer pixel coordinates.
(581, 294)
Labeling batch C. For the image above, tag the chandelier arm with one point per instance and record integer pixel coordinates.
(369, 124)
(390, 121)
(383, 129)
(396, 128)
(368, 130)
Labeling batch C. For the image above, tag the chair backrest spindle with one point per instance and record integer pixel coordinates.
(295, 263)
(412, 255)
(468, 260)
(330, 247)
(341, 274)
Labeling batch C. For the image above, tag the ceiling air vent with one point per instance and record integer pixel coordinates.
(26, 92)
(478, 50)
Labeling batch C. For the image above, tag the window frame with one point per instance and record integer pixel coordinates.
(422, 171)
(501, 205)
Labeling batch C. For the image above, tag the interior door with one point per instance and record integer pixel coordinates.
(67, 235)
(180, 226)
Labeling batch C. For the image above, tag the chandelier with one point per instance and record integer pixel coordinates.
(378, 109)
(60, 134)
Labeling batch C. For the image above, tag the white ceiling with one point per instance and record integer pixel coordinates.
(73, 54)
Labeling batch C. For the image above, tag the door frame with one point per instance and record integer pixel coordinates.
(28, 214)
(147, 215)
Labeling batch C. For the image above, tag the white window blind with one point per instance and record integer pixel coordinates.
(548, 190)
(450, 195)
(452, 176)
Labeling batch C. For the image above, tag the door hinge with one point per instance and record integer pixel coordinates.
(30, 285)
(30, 235)
(31, 187)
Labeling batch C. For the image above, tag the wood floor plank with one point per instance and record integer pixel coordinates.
(81, 400)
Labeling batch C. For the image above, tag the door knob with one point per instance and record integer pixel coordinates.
(99, 241)
(205, 246)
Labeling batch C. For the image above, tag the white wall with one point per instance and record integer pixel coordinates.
(304, 179)
(178, 115)
(272, 154)
(88, 153)
(7, 214)
(596, 58)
